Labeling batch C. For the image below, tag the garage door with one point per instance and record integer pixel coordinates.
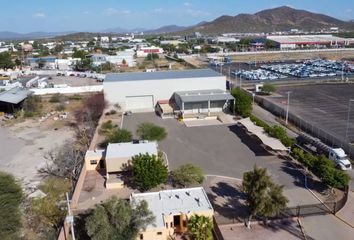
(139, 103)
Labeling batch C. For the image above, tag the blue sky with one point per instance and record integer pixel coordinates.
(94, 15)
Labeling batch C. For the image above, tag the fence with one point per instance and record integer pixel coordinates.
(306, 126)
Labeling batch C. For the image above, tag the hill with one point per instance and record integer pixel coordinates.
(271, 20)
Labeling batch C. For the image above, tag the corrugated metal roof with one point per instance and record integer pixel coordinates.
(204, 95)
(140, 76)
(121, 150)
(14, 95)
(176, 201)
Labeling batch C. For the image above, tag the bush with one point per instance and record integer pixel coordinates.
(119, 136)
(32, 106)
(46, 211)
(243, 102)
(148, 171)
(10, 199)
(268, 89)
(56, 98)
(151, 132)
(75, 97)
(187, 175)
(323, 168)
(60, 107)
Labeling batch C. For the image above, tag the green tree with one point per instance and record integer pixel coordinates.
(187, 175)
(79, 54)
(268, 88)
(200, 227)
(152, 56)
(46, 212)
(148, 171)
(151, 132)
(118, 135)
(10, 199)
(269, 44)
(124, 62)
(243, 102)
(118, 219)
(41, 63)
(263, 197)
(6, 60)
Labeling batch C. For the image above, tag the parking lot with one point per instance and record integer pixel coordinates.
(324, 106)
(225, 150)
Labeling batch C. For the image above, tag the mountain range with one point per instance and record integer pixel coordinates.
(270, 20)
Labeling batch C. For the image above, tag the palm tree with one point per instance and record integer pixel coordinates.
(200, 227)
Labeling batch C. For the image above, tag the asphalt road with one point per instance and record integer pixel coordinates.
(225, 150)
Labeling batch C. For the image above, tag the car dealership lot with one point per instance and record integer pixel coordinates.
(225, 150)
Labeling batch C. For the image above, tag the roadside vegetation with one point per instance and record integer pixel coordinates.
(320, 165)
(117, 219)
(243, 102)
(263, 197)
(268, 89)
(11, 197)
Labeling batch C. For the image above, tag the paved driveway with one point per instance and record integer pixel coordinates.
(225, 150)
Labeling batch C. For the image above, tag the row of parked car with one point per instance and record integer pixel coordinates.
(312, 68)
(258, 74)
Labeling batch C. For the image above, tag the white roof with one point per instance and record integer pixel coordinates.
(173, 202)
(298, 39)
(121, 150)
(271, 142)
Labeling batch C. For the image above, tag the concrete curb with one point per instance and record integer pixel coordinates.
(225, 177)
(302, 229)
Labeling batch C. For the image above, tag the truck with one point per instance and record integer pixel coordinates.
(315, 145)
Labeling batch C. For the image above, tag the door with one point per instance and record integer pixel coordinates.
(139, 103)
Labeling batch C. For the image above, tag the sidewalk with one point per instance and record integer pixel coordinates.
(347, 212)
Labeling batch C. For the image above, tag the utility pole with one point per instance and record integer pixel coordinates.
(70, 217)
(287, 109)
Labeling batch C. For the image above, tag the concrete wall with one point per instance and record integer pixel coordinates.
(67, 90)
(115, 92)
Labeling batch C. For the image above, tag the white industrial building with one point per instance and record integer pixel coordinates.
(145, 51)
(285, 42)
(140, 92)
(127, 55)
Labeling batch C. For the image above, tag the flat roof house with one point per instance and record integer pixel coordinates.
(12, 99)
(140, 92)
(172, 209)
(115, 157)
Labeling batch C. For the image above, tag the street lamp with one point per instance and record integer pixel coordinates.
(348, 118)
(287, 109)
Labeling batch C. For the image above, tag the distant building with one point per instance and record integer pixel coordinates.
(126, 56)
(12, 99)
(172, 210)
(145, 51)
(171, 42)
(222, 39)
(308, 41)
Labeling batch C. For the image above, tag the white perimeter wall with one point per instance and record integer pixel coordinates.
(67, 90)
(163, 89)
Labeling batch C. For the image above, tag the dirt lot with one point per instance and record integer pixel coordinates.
(74, 81)
(24, 143)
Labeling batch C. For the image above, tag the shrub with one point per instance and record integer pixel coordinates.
(148, 171)
(32, 106)
(10, 199)
(75, 97)
(187, 175)
(60, 107)
(243, 102)
(151, 132)
(56, 98)
(119, 136)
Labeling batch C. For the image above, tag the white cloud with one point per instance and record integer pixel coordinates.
(39, 15)
(186, 4)
(196, 13)
(114, 11)
(85, 12)
(349, 10)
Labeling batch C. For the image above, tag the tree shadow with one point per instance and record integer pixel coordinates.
(228, 202)
(251, 141)
(80, 231)
(297, 171)
(286, 225)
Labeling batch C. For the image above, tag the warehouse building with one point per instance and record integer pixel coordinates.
(308, 41)
(140, 92)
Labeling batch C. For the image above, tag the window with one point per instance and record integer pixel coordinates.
(159, 233)
(171, 225)
(93, 162)
(141, 236)
(166, 225)
(184, 223)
